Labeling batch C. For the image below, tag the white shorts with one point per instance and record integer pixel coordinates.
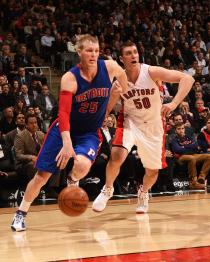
(149, 139)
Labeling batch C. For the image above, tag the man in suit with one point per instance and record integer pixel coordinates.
(46, 101)
(28, 98)
(24, 79)
(26, 145)
(10, 137)
(7, 99)
(22, 58)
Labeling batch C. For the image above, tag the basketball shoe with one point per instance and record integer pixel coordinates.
(100, 202)
(143, 198)
(18, 223)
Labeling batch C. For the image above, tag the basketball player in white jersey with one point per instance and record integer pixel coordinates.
(141, 123)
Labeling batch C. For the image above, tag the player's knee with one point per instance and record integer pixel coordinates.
(117, 159)
(40, 180)
(152, 172)
(81, 168)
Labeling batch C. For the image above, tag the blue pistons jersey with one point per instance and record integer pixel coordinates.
(87, 115)
(90, 101)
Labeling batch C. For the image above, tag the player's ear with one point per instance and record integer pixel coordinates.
(79, 52)
(121, 59)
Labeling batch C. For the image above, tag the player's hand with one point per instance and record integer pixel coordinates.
(33, 159)
(2, 173)
(116, 88)
(64, 155)
(168, 108)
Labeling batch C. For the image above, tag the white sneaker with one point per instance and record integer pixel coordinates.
(18, 223)
(143, 198)
(100, 202)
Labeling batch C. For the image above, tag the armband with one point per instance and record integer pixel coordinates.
(65, 104)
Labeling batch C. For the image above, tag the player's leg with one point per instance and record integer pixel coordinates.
(80, 169)
(32, 191)
(149, 180)
(122, 144)
(118, 156)
(86, 148)
(46, 166)
(150, 146)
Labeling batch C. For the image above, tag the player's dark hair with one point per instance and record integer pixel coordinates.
(126, 44)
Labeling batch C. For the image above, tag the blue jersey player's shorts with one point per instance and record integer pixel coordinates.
(86, 145)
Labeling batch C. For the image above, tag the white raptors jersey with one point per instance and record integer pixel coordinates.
(142, 102)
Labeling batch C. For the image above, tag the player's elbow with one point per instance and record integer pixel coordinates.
(189, 79)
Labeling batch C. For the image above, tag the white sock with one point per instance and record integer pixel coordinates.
(25, 205)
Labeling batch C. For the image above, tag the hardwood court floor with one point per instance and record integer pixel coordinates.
(175, 222)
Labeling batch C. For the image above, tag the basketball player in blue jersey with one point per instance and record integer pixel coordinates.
(83, 104)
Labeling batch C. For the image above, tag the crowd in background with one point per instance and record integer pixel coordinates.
(172, 34)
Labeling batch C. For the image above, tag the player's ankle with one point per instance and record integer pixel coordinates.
(108, 186)
(72, 180)
(21, 212)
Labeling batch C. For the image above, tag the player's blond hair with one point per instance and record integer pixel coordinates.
(82, 38)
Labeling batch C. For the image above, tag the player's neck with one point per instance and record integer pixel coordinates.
(133, 74)
(88, 72)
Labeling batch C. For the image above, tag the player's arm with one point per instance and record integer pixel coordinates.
(172, 76)
(120, 86)
(68, 89)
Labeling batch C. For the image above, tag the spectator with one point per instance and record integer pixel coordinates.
(201, 121)
(11, 41)
(5, 59)
(46, 43)
(20, 126)
(178, 119)
(22, 58)
(38, 32)
(192, 69)
(13, 72)
(24, 78)
(185, 149)
(27, 145)
(30, 111)
(24, 94)
(204, 138)
(199, 105)
(6, 98)
(15, 89)
(9, 138)
(20, 106)
(201, 60)
(46, 101)
(111, 121)
(58, 49)
(7, 122)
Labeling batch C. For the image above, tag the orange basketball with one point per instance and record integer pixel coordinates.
(73, 201)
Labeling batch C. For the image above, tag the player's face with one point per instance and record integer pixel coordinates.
(89, 53)
(130, 57)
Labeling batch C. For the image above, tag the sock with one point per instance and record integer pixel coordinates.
(24, 206)
(21, 212)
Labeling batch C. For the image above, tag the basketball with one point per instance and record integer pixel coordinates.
(73, 201)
